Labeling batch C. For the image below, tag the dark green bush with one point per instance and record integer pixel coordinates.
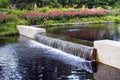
(4, 3)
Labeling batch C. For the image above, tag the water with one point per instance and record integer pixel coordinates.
(90, 32)
(86, 52)
(30, 60)
(69, 39)
(26, 61)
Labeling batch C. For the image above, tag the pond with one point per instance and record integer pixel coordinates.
(89, 32)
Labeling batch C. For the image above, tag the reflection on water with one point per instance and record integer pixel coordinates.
(90, 32)
(70, 39)
(6, 40)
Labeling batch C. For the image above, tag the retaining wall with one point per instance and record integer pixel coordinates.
(29, 31)
(108, 52)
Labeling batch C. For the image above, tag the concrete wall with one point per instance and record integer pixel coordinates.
(29, 31)
(108, 52)
(105, 72)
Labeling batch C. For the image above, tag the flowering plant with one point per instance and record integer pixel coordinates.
(11, 17)
(92, 12)
(53, 14)
(33, 17)
(2, 17)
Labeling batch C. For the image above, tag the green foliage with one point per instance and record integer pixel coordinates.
(11, 17)
(117, 19)
(12, 11)
(30, 4)
(81, 20)
(117, 5)
(10, 24)
(48, 9)
(43, 9)
(4, 3)
(22, 22)
(51, 3)
(8, 28)
(17, 12)
(8, 39)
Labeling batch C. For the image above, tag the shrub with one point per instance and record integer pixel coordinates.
(33, 17)
(53, 15)
(43, 9)
(17, 12)
(92, 12)
(4, 3)
(8, 28)
(117, 19)
(11, 24)
(23, 5)
(69, 14)
(22, 22)
(11, 17)
(2, 18)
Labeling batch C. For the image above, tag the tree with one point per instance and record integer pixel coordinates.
(51, 3)
(38, 3)
(21, 4)
(4, 3)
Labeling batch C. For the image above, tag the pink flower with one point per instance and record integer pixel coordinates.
(90, 12)
(33, 15)
(59, 14)
(53, 14)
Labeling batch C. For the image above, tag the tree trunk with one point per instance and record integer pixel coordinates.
(39, 3)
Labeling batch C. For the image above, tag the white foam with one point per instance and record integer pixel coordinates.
(8, 63)
(62, 56)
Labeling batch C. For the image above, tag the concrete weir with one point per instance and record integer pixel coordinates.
(29, 31)
(108, 52)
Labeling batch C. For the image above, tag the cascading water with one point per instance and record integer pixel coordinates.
(86, 52)
(57, 55)
(25, 61)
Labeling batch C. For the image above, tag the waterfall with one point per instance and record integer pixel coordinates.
(82, 51)
(12, 57)
(56, 54)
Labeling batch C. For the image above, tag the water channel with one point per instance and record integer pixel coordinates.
(24, 59)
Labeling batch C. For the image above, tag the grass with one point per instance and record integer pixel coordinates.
(8, 29)
(81, 20)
